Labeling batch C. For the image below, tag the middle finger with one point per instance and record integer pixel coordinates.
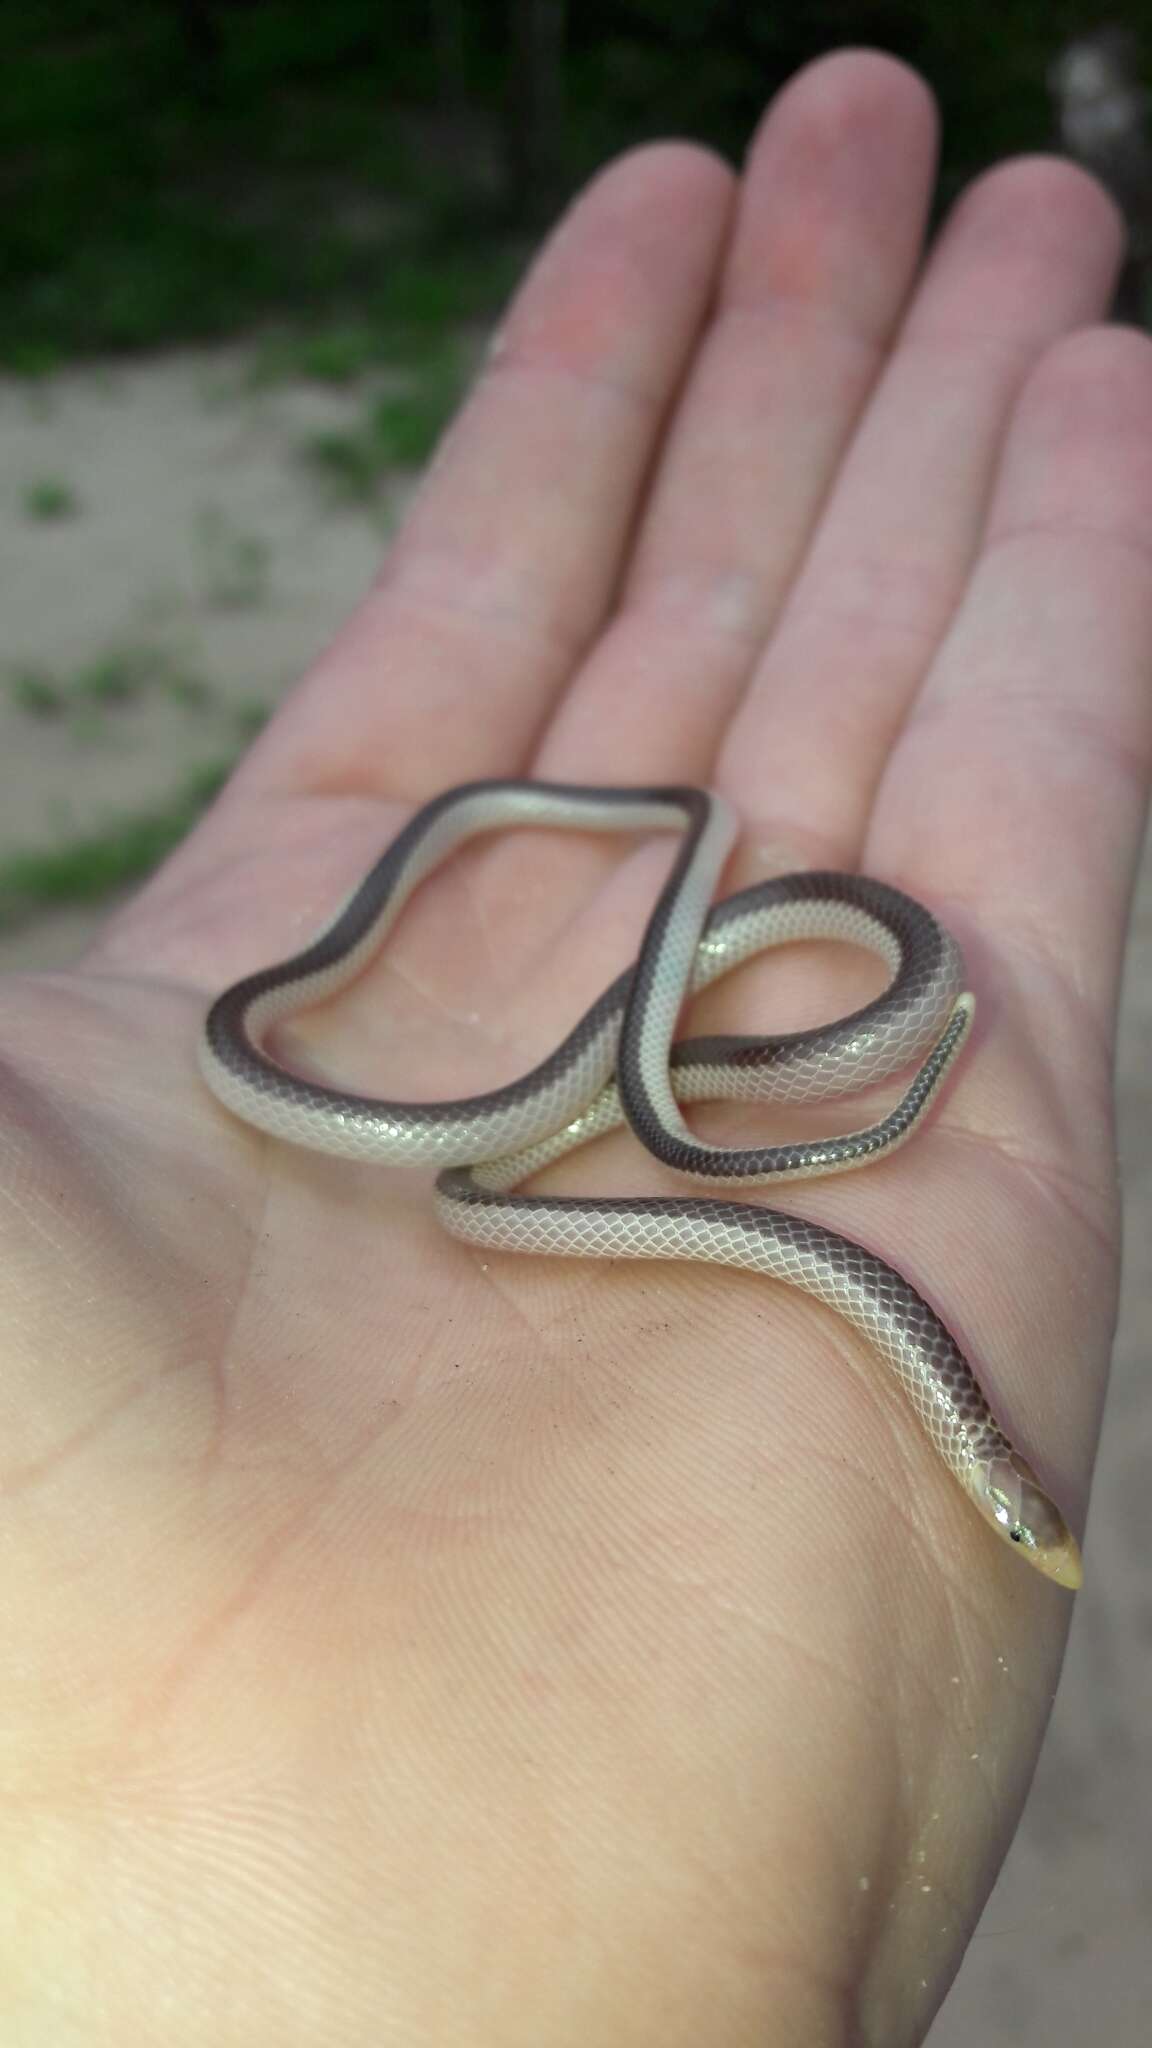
(825, 245)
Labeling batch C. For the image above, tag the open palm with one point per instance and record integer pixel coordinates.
(414, 1645)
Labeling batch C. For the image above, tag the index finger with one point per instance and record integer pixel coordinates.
(507, 559)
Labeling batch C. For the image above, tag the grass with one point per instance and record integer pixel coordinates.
(397, 431)
(401, 320)
(122, 675)
(35, 691)
(337, 355)
(150, 194)
(144, 220)
(50, 497)
(185, 277)
(190, 691)
(234, 565)
(96, 864)
(132, 219)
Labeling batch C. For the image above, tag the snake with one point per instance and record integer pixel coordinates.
(622, 1063)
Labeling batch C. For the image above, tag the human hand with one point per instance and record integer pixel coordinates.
(413, 1647)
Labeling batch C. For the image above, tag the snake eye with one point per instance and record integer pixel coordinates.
(1013, 1500)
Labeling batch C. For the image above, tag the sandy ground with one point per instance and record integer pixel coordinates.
(198, 531)
(198, 534)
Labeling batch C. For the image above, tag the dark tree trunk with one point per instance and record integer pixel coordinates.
(449, 45)
(535, 109)
(204, 47)
(449, 49)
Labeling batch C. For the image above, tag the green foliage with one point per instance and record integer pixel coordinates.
(49, 497)
(249, 717)
(155, 188)
(404, 315)
(234, 564)
(339, 354)
(346, 464)
(286, 175)
(405, 429)
(121, 675)
(118, 677)
(142, 200)
(35, 691)
(95, 864)
(398, 431)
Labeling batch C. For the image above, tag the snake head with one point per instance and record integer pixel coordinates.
(1010, 1496)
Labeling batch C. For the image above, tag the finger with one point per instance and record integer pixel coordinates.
(1017, 792)
(825, 244)
(510, 552)
(1029, 252)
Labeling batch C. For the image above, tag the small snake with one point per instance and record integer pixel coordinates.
(620, 1063)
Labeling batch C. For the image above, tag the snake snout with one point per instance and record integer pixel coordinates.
(1016, 1503)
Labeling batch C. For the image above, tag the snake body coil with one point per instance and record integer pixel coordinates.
(621, 1062)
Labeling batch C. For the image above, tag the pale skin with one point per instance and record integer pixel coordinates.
(409, 1645)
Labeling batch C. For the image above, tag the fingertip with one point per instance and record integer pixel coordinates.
(850, 86)
(837, 185)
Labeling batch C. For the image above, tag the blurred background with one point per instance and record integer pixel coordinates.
(250, 251)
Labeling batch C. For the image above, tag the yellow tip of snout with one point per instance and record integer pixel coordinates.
(1060, 1561)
